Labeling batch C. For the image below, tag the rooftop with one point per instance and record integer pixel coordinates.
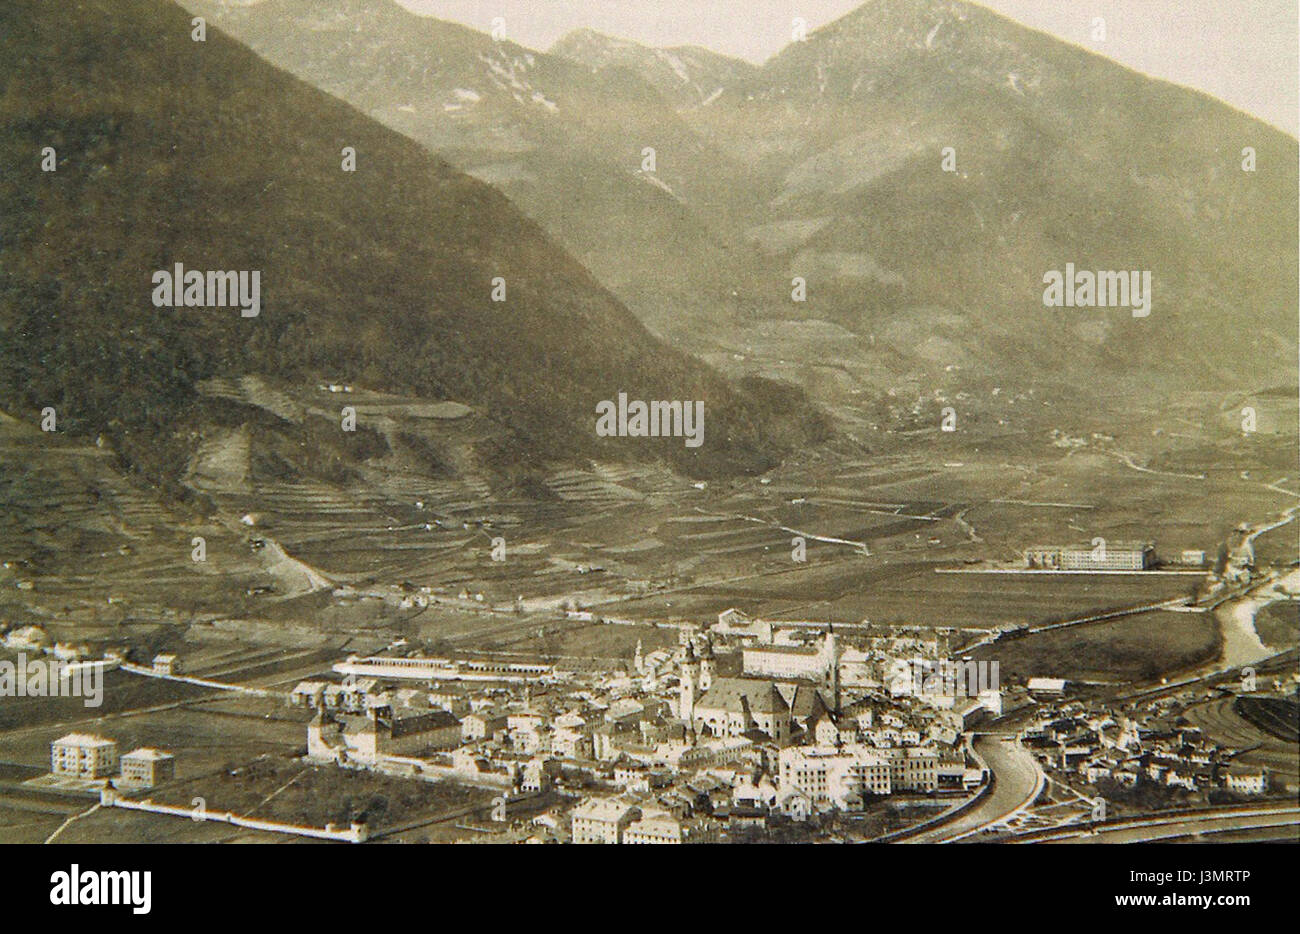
(149, 754)
(602, 809)
(734, 694)
(84, 740)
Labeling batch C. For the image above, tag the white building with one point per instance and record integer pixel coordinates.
(145, 767)
(632, 777)
(1050, 686)
(858, 669)
(602, 820)
(834, 777)
(784, 662)
(482, 724)
(1097, 556)
(394, 668)
(832, 732)
(912, 769)
(570, 743)
(83, 755)
(755, 791)
(307, 694)
(538, 774)
(354, 695)
(1247, 781)
(663, 828)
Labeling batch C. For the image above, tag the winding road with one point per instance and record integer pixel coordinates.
(1017, 780)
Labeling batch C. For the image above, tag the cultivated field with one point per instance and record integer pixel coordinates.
(1139, 648)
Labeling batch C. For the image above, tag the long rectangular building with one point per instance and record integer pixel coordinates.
(441, 669)
(834, 777)
(1101, 556)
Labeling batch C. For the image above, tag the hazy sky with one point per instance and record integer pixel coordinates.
(1242, 51)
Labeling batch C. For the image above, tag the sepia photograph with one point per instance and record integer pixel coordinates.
(767, 422)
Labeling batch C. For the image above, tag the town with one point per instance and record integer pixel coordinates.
(745, 729)
(431, 547)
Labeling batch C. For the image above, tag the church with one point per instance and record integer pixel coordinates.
(759, 708)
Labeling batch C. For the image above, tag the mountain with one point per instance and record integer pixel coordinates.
(923, 285)
(176, 151)
(1061, 156)
(686, 77)
(565, 144)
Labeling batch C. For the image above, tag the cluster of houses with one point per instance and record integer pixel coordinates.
(34, 639)
(1149, 744)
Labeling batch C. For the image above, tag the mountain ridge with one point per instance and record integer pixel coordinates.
(380, 277)
(825, 164)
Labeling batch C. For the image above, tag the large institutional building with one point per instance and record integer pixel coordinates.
(846, 776)
(380, 732)
(1107, 556)
(445, 669)
(811, 663)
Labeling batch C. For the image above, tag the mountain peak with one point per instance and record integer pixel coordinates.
(686, 76)
(595, 49)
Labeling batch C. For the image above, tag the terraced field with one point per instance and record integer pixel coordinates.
(88, 541)
(1225, 726)
(1276, 716)
(622, 540)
